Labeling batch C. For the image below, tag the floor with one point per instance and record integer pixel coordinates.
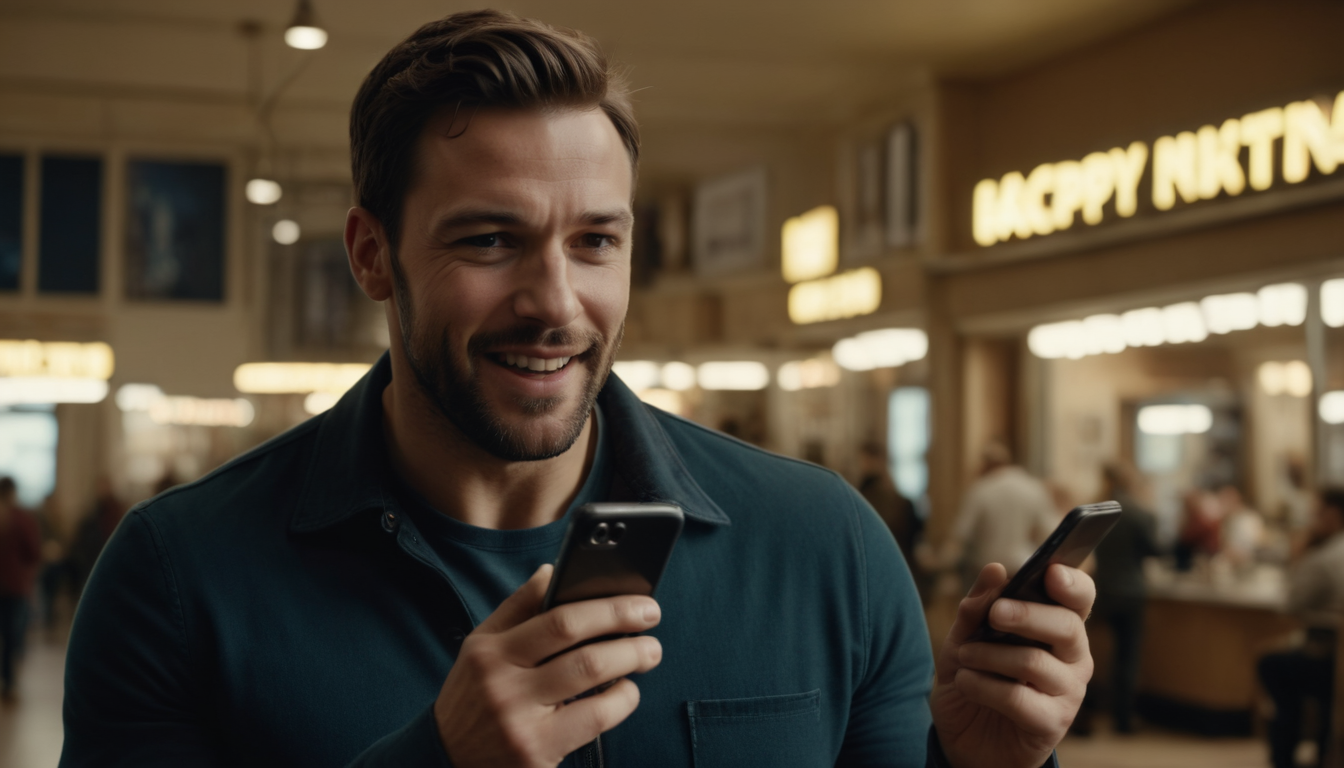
(30, 730)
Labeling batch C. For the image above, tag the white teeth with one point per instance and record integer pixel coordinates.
(538, 364)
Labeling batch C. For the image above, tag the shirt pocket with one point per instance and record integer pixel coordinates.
(778, 731)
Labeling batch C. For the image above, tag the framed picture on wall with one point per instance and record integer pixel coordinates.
(175, 214)
(728, 223)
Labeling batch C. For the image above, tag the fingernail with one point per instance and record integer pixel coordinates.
(1068, 577)
(979, 588)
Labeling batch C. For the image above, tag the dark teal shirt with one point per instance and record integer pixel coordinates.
(486, 564)
(285, 610)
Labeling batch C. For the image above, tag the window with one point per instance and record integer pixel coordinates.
(28, 451)
(908, 441)
(71, 207)
(175, 230)
(11, 221)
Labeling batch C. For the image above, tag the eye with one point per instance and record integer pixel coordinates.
(596, 240)
(492, 240)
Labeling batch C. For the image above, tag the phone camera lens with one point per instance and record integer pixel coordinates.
(617, 531)
(601, 533)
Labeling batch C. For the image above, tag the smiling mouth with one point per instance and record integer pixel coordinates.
(531, 364)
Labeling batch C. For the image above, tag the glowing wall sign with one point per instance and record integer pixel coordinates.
(811, 244)
(848, 294)
(810, 249)
(1190, 166)
(56, 359)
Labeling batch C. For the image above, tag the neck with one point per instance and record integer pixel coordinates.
(481, 489)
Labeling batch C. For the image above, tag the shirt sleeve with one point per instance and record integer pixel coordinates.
(128, 696)
(130, 699)
(889, 715)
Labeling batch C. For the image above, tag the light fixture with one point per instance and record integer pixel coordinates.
(1175, 419)
(286, 232)
(678, 376)
(1332, 302)
(317, 402)
(56, 359)
(813, 373)
(303, 32)
(638, 375)
(262, 191)
(884, 348)
(271, 378)
(40, 390)
(745, 375)
(1332, 407)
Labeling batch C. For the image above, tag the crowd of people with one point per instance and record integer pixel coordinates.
(43, 563)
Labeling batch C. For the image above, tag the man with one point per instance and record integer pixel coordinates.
(347, 594)
(877, 488)
(1121, 592)
(20, 556)
(1316, 593)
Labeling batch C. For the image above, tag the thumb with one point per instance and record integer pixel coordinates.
(522, 605)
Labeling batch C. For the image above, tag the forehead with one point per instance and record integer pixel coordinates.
(509, 152)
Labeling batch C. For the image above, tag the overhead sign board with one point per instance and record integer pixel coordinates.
(1191, 166)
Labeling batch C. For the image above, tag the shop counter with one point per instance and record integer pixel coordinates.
(1204, 634)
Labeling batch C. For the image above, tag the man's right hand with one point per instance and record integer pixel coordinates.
(503, 701)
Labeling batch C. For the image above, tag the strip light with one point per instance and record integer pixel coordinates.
(1175, 419)
(1273, 305)
(274, 378)
(885, 348)
(34, 390)
(56, 359)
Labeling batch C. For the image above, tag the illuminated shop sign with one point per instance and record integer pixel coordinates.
(810, 253)
(53, 371)
(1190, 166)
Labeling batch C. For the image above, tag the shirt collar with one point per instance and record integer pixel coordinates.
(345, 476)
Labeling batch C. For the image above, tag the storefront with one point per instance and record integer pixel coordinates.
(1143, 248)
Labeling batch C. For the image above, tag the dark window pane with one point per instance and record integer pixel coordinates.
(72, 197)
(11, 220)
(175, 230)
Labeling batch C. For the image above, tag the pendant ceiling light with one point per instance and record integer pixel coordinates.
(303, 32)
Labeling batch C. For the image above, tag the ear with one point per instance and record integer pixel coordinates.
(370, 256)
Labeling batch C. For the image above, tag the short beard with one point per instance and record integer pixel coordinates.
(454, 389)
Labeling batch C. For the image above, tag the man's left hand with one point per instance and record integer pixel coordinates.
(1007, 706)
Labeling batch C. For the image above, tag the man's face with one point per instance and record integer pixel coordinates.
(513, 273)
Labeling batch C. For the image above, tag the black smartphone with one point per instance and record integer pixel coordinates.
(1071, 542)
(613, 548)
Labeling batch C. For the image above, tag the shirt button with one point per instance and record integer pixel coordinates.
(389, 521)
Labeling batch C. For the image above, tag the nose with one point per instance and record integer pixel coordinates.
(545, 290)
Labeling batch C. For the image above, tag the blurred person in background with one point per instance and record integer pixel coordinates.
(878, 489)
(1201, 532)
(349, 593)
(1121, 595)
(1005, 515)
(1243, 533)
(20, 556)
(94, 531)
(1316, 594)
(55, 572)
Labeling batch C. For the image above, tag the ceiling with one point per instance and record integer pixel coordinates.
(745, 68)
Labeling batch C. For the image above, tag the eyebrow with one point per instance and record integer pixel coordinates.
(468, 218)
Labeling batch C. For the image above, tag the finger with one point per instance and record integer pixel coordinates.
(1071, 588)
(1054, 625)
(522, 605)
(582, 721)
(971, 612)
(584, 668)
(565, 626)
(1033, 666)
(1032, 711)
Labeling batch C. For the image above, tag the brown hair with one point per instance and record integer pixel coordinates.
(470, 60)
